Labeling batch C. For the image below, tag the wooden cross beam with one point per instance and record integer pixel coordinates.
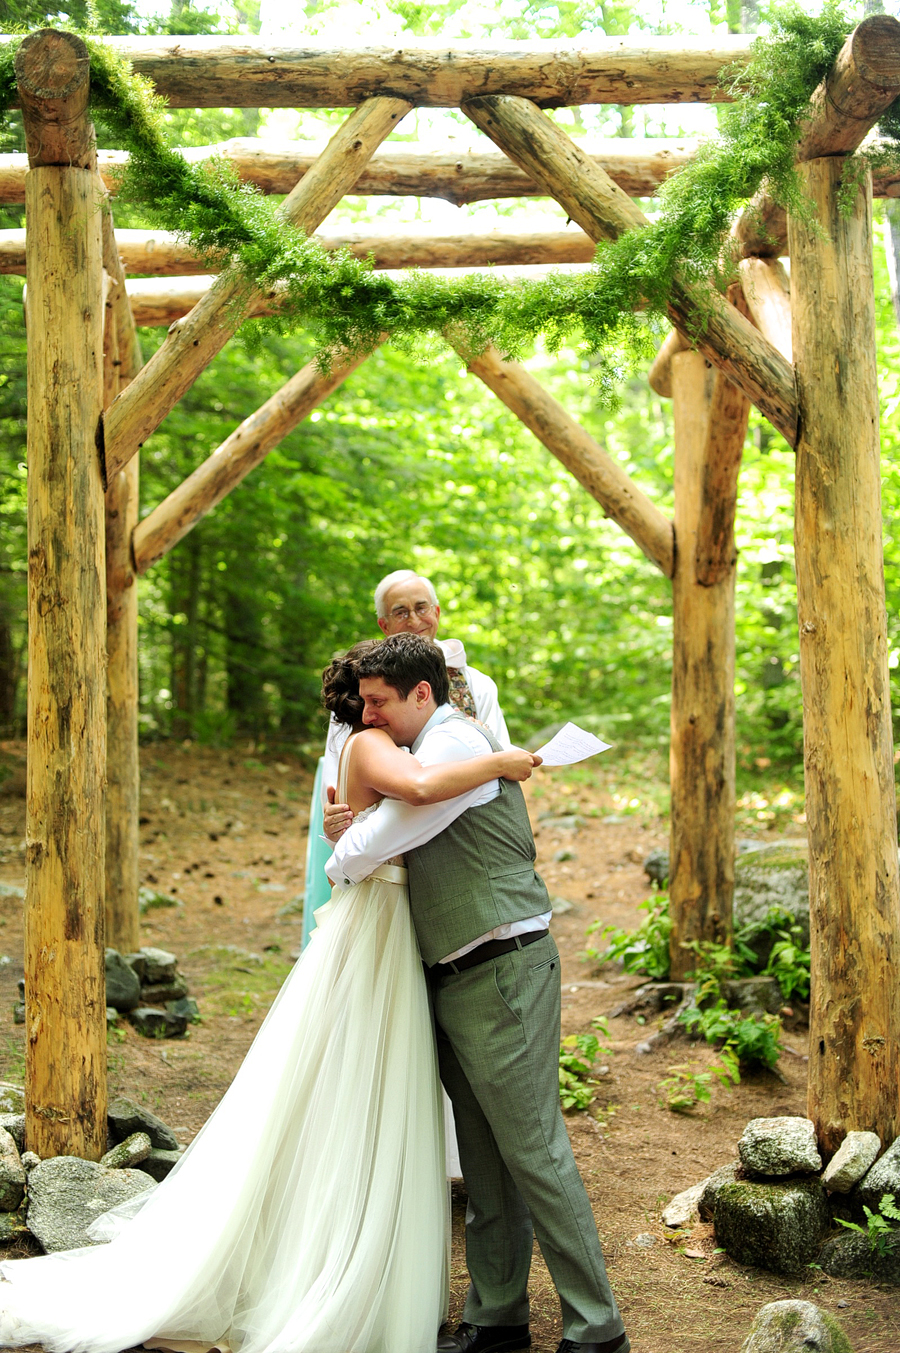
(191, 344)
(591, 198)
(159, 254)
(231, 462)
(596, 471)
(241, 72)
(860, 87)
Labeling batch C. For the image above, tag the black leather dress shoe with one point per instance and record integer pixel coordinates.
(468, 1338)
(618, 1345)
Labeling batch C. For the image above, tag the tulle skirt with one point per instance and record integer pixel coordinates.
(310, 1213)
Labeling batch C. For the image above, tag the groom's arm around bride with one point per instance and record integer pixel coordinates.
(481, 915)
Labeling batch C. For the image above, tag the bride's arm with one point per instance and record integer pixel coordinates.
(393, 772)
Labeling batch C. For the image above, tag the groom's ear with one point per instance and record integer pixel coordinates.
(422, 693)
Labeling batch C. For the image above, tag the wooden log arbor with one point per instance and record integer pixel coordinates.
(815, 384)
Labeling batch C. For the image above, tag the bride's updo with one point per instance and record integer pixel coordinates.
(340, 684)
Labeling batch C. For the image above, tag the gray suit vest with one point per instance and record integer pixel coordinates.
(476, 874)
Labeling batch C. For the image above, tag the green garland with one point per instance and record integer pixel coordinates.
(612, 310)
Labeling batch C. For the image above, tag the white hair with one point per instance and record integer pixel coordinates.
(400, 575)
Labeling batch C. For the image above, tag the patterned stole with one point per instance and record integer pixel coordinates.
(461, 697)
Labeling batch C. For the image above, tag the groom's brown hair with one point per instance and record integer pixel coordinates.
(402, 661)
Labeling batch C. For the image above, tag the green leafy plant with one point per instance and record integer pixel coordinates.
(644, 950)
(755, 1040)
(683, 1089)
(879, 1229)
(578, 1056)
(789, 962)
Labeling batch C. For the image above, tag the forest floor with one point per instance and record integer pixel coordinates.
(223, 834)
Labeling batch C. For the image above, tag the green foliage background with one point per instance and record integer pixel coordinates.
(414, 463)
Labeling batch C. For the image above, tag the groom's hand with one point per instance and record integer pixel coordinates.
(337, 817)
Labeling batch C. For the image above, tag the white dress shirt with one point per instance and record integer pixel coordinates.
(484, 694)
(396, 827)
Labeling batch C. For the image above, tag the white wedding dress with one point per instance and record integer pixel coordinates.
(309, 1215)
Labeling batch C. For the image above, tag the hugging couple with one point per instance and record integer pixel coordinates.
(311, 1210)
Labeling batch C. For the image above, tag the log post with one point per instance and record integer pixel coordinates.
(767, 296)
(854, 892)
(544, 151)
(121, 363)
(596, 471)
(65, 997)
(193, 342)
(701, 878)
(240, 453)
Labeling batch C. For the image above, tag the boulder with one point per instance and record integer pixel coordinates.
(726, 1174)
(12, 1098)
(159, 966)
(124, 1118)
(14, 1123)
(779, 1146)
(759, 995)
(29, 1160)
(137, 963)
(186, 1007)
(158, 1163)
(656, 867)
(850, 1255)
(884, 1177)
(67, 1194)
(159, 993)
(775, 1226)
(131, 1152)
(152, 1022)
(12, 1174)
(19, 1012)
(123, 990)
(795, 1327)
(855, 1155)
(773, 876)
(683, 1207)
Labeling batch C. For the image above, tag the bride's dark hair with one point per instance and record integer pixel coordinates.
(340, 684)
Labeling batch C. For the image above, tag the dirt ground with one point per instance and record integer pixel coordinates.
(223, 834)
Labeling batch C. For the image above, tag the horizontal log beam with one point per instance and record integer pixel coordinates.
(637, 165)
(859, 89)
(590, 197)
(192, 344)
(241, 72)
(159, 254)
(246, 448)
(596, 471)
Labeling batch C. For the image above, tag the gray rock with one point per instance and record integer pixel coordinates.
(29, 1160)
(725, 1174)
(292, 908)
(132, 1151)
(850, 1255)
(123, 990)
(19, 1012)
(754, 995)
(67, 1194)
(150, 900)
(683, 1207)
(159, 965)
(855, 1155)
(158, 993)
(152, 1022)
(137, 963)
(158, 1164)
(779, 1146)
(12, 1174)
(185, 1007)
(125, 1118)
(112, 1015)
(560, 856)
(884, 1177)
(795, 1327)
(773, 876)
(568, 822)
(776, 1226)
(12, 1098)
(14, 1123)
(656, 867)
(12, 890)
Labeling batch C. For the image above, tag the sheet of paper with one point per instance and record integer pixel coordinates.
(569, 745)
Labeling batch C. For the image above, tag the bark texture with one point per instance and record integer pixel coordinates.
(850, 801)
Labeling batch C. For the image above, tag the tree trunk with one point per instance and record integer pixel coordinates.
(854, 891)
(185, 574)
(701, 877)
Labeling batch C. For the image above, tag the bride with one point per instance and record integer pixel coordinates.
(309, 1215)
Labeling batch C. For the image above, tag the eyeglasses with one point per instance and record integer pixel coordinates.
(402, 613)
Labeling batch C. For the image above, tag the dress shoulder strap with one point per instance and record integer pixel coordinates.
(344, 768)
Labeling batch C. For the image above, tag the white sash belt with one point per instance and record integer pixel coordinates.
(391, 873)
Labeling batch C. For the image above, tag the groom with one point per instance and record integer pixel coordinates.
(481, 915)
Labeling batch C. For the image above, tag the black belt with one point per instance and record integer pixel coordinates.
(490, 949)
